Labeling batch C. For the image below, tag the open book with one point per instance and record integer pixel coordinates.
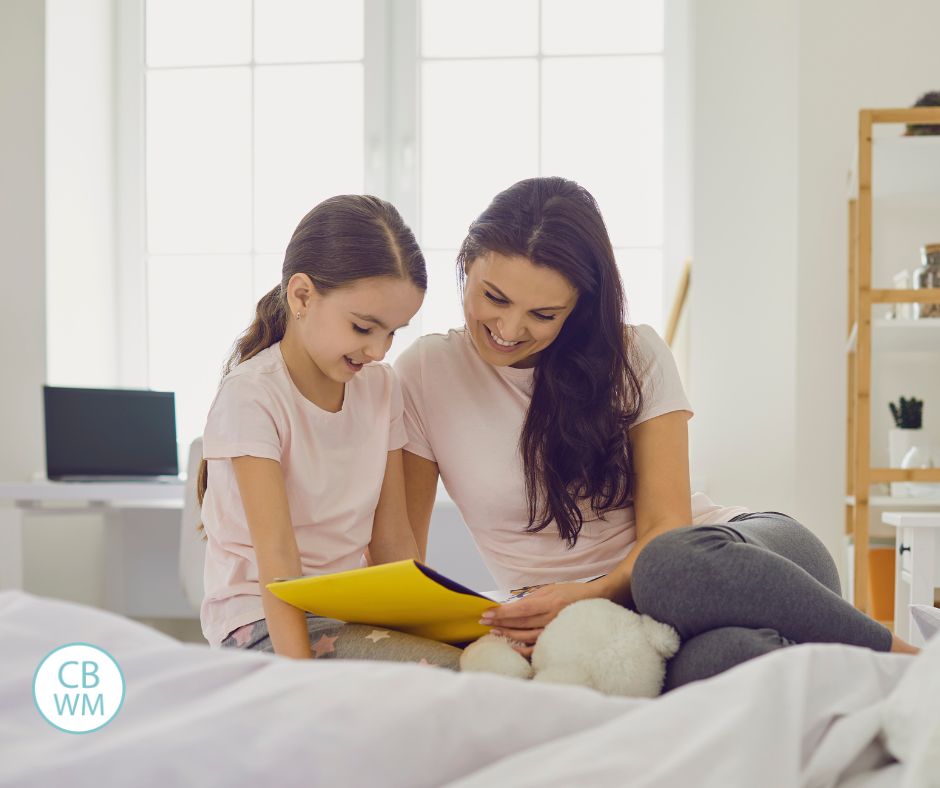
(405, 595)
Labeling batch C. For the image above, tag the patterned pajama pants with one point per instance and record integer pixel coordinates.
(332, 639)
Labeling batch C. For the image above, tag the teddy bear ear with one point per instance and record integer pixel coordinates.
(661, 636)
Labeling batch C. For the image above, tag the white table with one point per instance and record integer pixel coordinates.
(65, 498)
(917, 566)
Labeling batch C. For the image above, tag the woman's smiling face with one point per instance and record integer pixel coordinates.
(514, 309)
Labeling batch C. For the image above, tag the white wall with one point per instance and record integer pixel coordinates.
(80, 178)
(744, 280)
(778, 89)
(22, 236)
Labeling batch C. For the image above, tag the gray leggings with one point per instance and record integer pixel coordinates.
(332, 639)
(742, 589)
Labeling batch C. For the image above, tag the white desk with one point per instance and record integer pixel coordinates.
(56, 498)
(917, 567)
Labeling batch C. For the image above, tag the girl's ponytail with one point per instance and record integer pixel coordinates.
(267, 328)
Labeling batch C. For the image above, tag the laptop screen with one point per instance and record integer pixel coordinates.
(109, 433)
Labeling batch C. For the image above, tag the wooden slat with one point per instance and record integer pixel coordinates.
(929, 295)
(918, 115)
(678, 304)
(850, 371)
(904, 475)
(862, 481)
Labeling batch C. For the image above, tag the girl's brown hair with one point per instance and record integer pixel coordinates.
(586, 392)
(342, 240)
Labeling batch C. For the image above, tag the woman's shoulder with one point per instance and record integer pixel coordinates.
(642, 334)
(645, 345)
(433, 349)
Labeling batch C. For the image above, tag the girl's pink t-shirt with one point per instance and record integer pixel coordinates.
(467, 415)
(333, 465)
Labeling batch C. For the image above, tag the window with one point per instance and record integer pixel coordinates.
(254, 113)
(554, 88)
(255, 110)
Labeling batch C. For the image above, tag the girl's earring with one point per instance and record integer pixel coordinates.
(298, 315)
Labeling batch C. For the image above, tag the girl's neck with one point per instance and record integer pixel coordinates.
(324, 392)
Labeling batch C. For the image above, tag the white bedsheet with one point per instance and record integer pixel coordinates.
(195, 716)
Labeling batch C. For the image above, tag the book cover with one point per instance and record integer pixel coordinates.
(404, 595)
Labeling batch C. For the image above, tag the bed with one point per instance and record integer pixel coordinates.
(812, 715)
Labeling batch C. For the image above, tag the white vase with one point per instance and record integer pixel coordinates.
(900, 441)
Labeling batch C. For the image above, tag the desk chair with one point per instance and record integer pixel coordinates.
(192, 544)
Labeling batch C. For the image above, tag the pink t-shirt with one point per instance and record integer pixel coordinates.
(466, 415)
(333, 465)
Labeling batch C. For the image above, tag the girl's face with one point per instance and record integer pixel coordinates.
(514, 309)
(341, 330)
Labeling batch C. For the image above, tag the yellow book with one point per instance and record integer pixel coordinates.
(405, 595)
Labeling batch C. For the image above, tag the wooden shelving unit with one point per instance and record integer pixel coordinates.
(908, 165)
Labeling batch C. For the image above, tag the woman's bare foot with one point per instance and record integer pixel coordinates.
(899, 646)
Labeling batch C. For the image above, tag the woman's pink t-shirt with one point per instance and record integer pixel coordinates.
(333, 465)
(466, 415)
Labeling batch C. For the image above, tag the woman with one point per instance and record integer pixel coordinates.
(561, 434)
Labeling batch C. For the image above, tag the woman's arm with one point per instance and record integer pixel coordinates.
(392, 537)
(264, 498)
(662, 501)
(663, 496)
(420, 490)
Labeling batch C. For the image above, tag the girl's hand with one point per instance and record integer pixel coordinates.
(524, 620)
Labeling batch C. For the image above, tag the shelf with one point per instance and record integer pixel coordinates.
(901, 165)
(898, 502)
(901, 336)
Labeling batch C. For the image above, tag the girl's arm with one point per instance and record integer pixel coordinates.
(662, 501)
(264, 497)
(392, 537)
(420, 490)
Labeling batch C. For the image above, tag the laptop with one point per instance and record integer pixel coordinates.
(110, 434)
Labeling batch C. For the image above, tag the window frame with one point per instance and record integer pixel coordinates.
(392, 61)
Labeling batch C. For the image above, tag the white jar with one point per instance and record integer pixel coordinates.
(918, 457)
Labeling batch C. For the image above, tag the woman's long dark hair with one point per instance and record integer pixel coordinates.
(342, 240)
(586, 394)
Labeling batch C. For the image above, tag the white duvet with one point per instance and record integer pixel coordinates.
(810, 715)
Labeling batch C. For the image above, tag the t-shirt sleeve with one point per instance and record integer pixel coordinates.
(397, 437)
(241, 422)
(408, 368)
(659, 376)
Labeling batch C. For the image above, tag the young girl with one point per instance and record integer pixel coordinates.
(302, 446)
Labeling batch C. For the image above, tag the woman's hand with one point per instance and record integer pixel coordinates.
(523, 620)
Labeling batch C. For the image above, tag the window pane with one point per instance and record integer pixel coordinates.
(442, 309)
(642, 274)
(603, 127)
(473, 149)
(479, 29)
(197, 307)
(198, 32)
(289, 31)
(198, 161)
(601, 26)
(308, 144)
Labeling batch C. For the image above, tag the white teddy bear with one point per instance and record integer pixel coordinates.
(593, 642)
